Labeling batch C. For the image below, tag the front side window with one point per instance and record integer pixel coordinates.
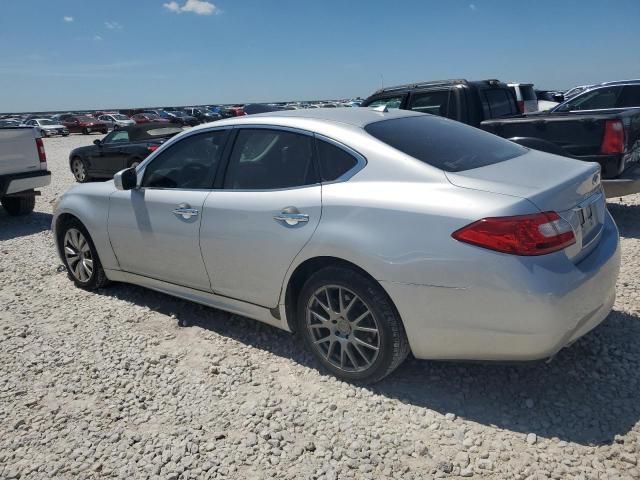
(190, 163)
(264, 159)
(333, 161)
(117, 136)
(445, 144)
(599, 99)
(630, 97)
(389, 102)
(441, 103)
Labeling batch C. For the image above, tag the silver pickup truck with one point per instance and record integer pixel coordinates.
(23, 169)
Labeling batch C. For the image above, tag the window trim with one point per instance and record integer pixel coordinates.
(142, 168)
(232, 143)
(361, 160)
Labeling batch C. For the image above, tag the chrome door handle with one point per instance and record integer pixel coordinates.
(292, 218)
(185, 211)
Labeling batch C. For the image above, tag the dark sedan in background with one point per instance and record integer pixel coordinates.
(122, 148)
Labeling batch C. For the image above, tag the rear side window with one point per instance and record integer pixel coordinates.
(601, 98)
(389, 102)
(334, 162)
(444, 144)
(498, 103)
(528, 93)
(630, 97)
(441, 103)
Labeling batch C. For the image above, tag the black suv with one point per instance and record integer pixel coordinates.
(462, 100)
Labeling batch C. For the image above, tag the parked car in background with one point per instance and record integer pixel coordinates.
(85, 125)
(525, 96)
(47, 127)
(611, 138)
(122, 148)
(470, 102)
(116, 120)
(277, 217)
(547, 99)
(10, 123)
(184, 119)
(23, 169)
(572, 92)
(141, 118)
(203, 115)
(607, 96)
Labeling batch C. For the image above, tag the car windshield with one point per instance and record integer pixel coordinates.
(120, 117)
(45, 122)
(85, 119)
(151, 115)
(445, 144)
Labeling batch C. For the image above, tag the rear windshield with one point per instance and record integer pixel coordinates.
(499, 103)
(444, 144)
(528, 93)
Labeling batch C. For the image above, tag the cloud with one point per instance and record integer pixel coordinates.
(199, 7)
(67, 19)
(97, 38)
(113, 25)
(472, 7)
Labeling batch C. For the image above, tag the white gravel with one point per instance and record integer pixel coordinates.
(98, 385)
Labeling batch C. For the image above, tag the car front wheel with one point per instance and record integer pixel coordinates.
(80, 256)
(350, 325)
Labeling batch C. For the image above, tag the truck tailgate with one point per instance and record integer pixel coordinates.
(18, 150)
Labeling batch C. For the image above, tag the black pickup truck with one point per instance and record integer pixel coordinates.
(608, 137)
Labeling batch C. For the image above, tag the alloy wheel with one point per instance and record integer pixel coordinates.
(343, 328)
(77, 253)
(79, 171)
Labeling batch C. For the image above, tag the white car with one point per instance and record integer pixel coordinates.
(47, 127)
(370, 233)
(526, 97)
(116, 120)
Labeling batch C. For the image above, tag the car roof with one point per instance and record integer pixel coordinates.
(356, 116)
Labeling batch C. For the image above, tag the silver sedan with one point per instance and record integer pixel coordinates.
(370, 233)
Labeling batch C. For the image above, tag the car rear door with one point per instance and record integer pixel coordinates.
(109, 156)
(154, 229)
(263, 213)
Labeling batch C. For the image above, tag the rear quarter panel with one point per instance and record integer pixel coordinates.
(18, 152)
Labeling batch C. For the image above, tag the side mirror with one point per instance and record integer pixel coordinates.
(97, 141)
(126, 179)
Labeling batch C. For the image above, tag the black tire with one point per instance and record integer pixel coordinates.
(65, 134)
(18, 206)
(105, 131)
(85, 131)
(78, 166)
(115, 126)
(97, 279)
(393, 346)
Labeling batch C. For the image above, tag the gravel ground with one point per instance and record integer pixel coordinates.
(106, 384)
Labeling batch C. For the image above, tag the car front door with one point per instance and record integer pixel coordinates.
(264, 212)
(154, 229)
(109, 156)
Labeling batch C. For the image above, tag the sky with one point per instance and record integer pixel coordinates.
(85, 54)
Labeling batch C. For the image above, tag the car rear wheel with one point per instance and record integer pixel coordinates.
(85, 131)
(18, 206)
(79, 170)
(350, 325)
(80, 256)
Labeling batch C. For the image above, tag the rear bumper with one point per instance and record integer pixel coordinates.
(512, 308)
(20, 182)
(626, 184)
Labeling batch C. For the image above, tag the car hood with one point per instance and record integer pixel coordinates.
(52, 126)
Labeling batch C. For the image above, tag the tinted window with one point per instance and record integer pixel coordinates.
(630, 97)
(189, 163)
(389, 102)
(498, 103)
(527, 93)
(267, 159)
(334, 161)
(445, 144)
(601, 98)
(441, 103)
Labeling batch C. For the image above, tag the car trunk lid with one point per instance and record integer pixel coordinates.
(552, 183)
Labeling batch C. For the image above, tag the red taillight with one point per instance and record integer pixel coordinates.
(536, 234)
(521, 106)
(41, 153)
(152, 148)
(613, 140)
